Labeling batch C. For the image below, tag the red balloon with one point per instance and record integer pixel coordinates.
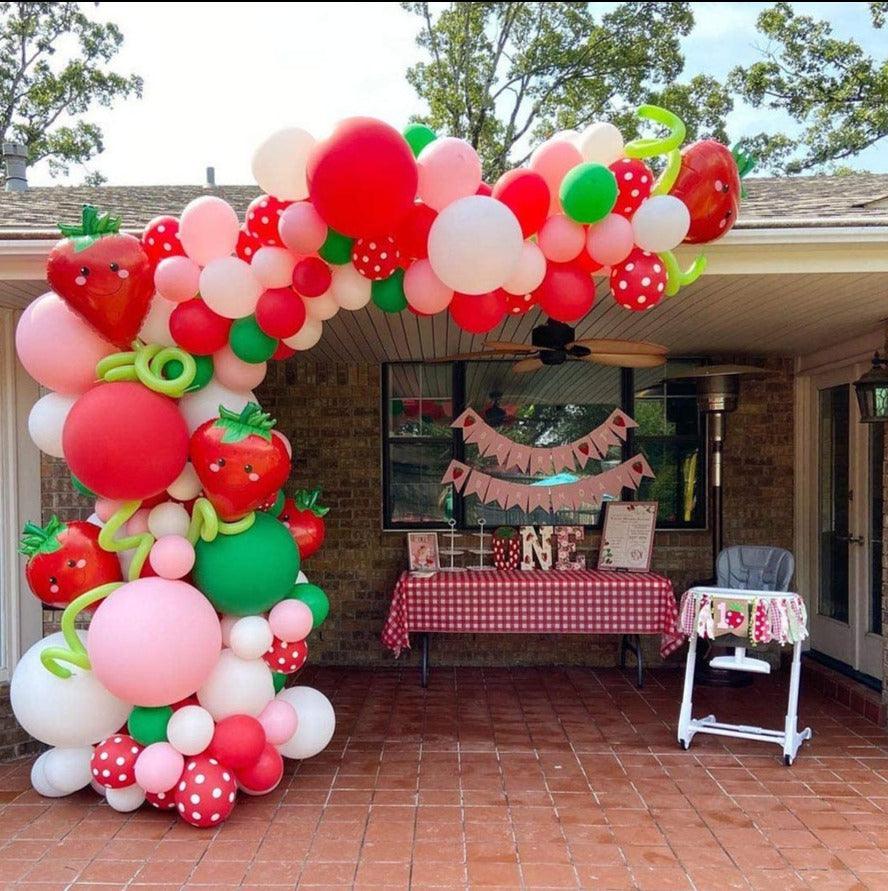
(206, 792)
(639, 282)
(484, 189)
(585, 262)
(478, 313)
(161, 239)
(264, 775)
(413, 235)
(311, 277)
(163, 801)
(634, 183)
(283, 352)
(362, 179)
(197, 329)
(567, 292)
(377, 257)
(280, 312)
(237, 741)
(125, 441)
(520, 304)
(526, 194)
(247, 245)
(262, 219)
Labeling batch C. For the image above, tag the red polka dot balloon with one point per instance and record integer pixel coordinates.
(262, 219)
(247, 245)
(519, 304)
(376, 258)
(639, 281)
(286, 656)
(206, 792)
(634, 183)
(113, 763)
(163, 801)
(161, 239)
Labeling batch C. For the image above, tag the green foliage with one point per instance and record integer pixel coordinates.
(53, 71)
(830, 86)
(504, 76)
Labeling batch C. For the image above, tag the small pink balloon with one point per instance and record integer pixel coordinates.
(610, 241)
(58, 348)
(159, 767)
(138, 522)
(285, 441)
(208, 228)
(449, 168)
(177, 279)
(106, 508)
(424, 291)
(273, 266)
(234, 373)
(227, 623)
(290, 620)
(561, 239)
(172, 556)
(529, 272)
(552, 160)
(301, 228)
(279, 721)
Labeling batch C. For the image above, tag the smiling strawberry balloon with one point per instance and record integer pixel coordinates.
(238, 460)
(102, 274)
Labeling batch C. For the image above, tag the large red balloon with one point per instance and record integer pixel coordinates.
(413, 235)
(125, 441)
(526, 194)
(479, 313)
(280, 312)
(311, 277)
(567, 292)
(197, 329)
(262, 776)
(362, 179)
(237, 742)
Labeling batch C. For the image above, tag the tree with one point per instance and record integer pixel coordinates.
(837, 92)
(504, 76)
(46, 89)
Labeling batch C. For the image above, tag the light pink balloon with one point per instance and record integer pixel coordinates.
(234, 373)
(172, 556)
(138, 522)
(279, 721)
(552, 160)
(273, 266)
(229, 287)
(154, 641)
(610, 241)
(290, 620)
(449, 168)
(208, 228)
(561, 239)
(159, 767)
(57, 348)
(301, 228)
(177, 279)
(106, 508)
(424, 291)
(530, 271)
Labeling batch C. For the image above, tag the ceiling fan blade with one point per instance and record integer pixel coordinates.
(459, 357)
(505, 346)
(632, 347)
(625, 360)
(531, 364)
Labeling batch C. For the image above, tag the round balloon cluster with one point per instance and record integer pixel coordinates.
(191, 564)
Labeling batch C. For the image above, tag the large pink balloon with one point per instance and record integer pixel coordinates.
(424, 291)
(610, 241)
(301, 228)
(154, 641)
(177, 279)
(449, 168)
(552, 160)
(208, 228)
(561, 239)
(57, 348)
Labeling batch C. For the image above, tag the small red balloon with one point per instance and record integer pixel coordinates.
(639, 282)
(197, 329)
(206, 792)
(283, 352)
(262, 219)
(280, 312)
(161, 239)
(163, 801)
(237, 741)
(264, 775)
(586, 263)
(311, 277)
(113, 763)
(413, 235)
(634, 183)
(520, 304)
(247, 245)
(377, 257)
(478, 313)
(526, 194)
(484, 189)
(567, 292)
(286, 656)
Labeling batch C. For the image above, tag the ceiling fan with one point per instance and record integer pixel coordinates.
(553, 343)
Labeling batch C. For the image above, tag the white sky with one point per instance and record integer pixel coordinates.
(219, 77)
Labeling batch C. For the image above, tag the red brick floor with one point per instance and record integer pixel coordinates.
(524, 778)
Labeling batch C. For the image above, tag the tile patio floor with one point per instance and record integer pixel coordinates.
(524, 778)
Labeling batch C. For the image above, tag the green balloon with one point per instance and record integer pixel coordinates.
(249, 342)
(202, 376)
(388, 294)
(588, 193)
(314, 598)
(250, 572)
(149, 725)
(418, 136)
(278, 680)
(79, 487)
(336, 249)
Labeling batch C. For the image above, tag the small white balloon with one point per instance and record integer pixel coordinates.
(302, 578)
(279, 163)
(168, 518)
(46, 420)
(190, 729)
(307, 336)
(273, 266)
(41, 785)
(156, 327)
(229, 287)
(204, 404)
(530, 271)
(349, 288)
(317, 722)
(130, 798)
(250, 637)
(237, 687)
(601, 143)
(320, 308)
(661, 223)
(94, 519)
(68, 769)
(186, 485)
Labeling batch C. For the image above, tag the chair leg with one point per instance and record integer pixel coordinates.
(624, 645)
(424, 661)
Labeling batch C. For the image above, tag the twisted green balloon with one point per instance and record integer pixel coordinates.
(206, 525)
(142, 542)
(675, 277)
(145, 364)
(663, 145)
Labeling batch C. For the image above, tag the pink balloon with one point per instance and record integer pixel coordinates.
(552, 160)
(159, 767)
(177, 279)
(138, 522)
(449, 168)
(273, 266)
(279, 721)
(58, 348)
(530, 271)
(610, 241)
(208, 228)
(234, 373)
(290, 620)
(154, 641)
(424, 291)
(106, 508)
(172, 556)
(561, 239)
(301, 228)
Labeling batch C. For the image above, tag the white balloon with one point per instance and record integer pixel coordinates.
(529, 272)
(229, 287)
(186, 485)
(475, 244)
(190, 729)
(204, 404)
(317, 721)
(320, 308)
(237, 687)
(68, 769)
(156, 327)
(307, 336)
(301, 579)
(46, 420)
(94, 519)
(129, 798)
(168, 518)
(601, 143)
(349, 288)
(68, 712)
(38, 778)
(250, 637)
(279, 163)
(661, 223)
(273, 266)
(98, 788)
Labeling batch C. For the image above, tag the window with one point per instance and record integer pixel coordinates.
(552, 406)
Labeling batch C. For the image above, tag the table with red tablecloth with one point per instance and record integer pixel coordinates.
(568, 601)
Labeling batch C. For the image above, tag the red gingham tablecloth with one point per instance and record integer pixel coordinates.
(569, 601)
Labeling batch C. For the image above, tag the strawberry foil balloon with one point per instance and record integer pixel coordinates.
(104, 275)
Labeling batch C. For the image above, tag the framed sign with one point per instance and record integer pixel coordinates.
(422, 551)
(627, 541)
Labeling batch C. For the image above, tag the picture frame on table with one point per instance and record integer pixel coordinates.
(627, 540)
(422, 552)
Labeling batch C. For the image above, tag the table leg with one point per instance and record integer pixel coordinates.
(639, 659)
(627, 645)
(424, 660)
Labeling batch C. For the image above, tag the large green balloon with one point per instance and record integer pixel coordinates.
(336, 249)
(388, 294)
(314, 598)
(250, 572)
(149, 725)
(418, 136)
(249, 342)
(588, 193)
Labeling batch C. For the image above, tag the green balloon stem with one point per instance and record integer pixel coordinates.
(142, 542)
(648, 148)
(675, 277)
